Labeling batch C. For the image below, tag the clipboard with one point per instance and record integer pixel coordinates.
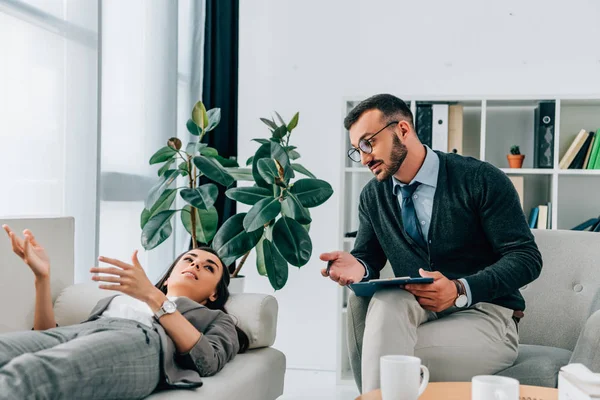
(368, 288)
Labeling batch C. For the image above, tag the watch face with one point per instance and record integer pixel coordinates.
(169, 307)
(461, 301)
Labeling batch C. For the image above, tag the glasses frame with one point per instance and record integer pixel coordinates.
(367, 142)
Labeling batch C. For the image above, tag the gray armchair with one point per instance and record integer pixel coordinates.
(562, 321)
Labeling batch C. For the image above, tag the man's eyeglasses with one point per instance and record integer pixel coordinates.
(365, 145)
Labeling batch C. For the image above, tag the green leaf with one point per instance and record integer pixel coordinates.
(271, 150)
(202, 197)
(280, 132)
(157, 190)
(260, 258)
(289, 148)
(213, 170)
(292, 241)
(312, 192)
(276, 266)
(163, 154)
(262, 213)
(248, 195)
(291, 207)
(293, 154)
(157, 229)
(209, 152)
(144, 217)
(164, 202)
(206, 223)
(165, 167)
(214, 117)
(241, 174)
(193, 148)
(232, 241)
(227, 162)
(280, 119)
(249, 161)
(268, 170)
(199, 115)
(262, 141)
(193, 128)
(300, 168)
(293, 122)
(269, 123)
(183, 168)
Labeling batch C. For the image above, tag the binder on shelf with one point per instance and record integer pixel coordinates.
(423, 127)
(573, 149)
(542, 222)
(543, 151)
(549, 220)
(455, 129)
(577, 162)
(439, 127)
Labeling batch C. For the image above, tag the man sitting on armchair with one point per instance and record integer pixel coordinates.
(455, 219)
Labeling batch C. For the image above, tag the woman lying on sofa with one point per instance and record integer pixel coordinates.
(147, 336)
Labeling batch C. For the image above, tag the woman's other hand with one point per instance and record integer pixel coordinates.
(30, 251)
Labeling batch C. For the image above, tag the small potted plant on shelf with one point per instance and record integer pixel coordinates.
(515, 158)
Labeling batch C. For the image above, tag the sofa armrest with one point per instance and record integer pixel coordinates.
(587, 349)
(255, 314)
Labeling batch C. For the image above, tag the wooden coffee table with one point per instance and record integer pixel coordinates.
(462, 391)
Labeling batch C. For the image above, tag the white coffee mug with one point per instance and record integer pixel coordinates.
(491, 387)
(401, 377)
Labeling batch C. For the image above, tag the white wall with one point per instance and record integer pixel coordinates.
(307, 55)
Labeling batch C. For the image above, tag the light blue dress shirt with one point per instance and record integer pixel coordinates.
(423, 199)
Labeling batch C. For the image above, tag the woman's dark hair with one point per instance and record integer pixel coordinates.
(222, 293)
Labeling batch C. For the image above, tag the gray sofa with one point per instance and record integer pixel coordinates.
(562, 321)
(255, 375)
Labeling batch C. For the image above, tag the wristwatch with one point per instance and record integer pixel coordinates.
(461, 300)
(168, 307)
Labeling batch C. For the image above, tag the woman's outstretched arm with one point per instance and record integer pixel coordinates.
(34, 255)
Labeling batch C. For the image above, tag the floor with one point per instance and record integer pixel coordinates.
(307, 384)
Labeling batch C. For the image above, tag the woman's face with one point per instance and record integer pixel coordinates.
(196, 276)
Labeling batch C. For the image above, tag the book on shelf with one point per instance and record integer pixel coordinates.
(533, 217)
(542, 222)
(519, 183)
(578, 161)
(589, 150)
(423, 123)
(573, 149)
(543, 151)
(594, 161)
(589, 224)
(455, 129)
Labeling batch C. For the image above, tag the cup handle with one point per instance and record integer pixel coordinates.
(425, 380)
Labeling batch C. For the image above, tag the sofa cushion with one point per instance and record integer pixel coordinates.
(538, 365)
(255, 314)
(255, 375)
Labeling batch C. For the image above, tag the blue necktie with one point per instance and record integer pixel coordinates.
(409, 215)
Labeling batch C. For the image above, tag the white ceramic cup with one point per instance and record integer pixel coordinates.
(491, 387)
(401, 377)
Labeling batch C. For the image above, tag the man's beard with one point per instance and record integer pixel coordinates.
(397, 157)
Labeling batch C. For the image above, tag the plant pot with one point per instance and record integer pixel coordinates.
(236, 285)
(515, 160)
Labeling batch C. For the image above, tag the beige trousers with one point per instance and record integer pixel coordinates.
(455, 345)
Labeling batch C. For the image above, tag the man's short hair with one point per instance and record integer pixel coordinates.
(390, 106)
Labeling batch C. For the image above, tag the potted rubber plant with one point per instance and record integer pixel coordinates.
(196, 159)
(278, 222)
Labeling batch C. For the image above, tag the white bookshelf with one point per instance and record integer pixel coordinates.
(490, 126)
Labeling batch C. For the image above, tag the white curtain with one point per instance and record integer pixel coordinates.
(151, 69)
(49, 114)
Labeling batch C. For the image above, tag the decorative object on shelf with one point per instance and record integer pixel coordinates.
(515, 158)
(543, 151)
(199, 216)
(277, 225)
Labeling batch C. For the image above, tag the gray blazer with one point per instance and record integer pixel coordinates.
(218, 345)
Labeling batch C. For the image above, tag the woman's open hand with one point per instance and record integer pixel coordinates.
(30, 252)
(125, 278)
